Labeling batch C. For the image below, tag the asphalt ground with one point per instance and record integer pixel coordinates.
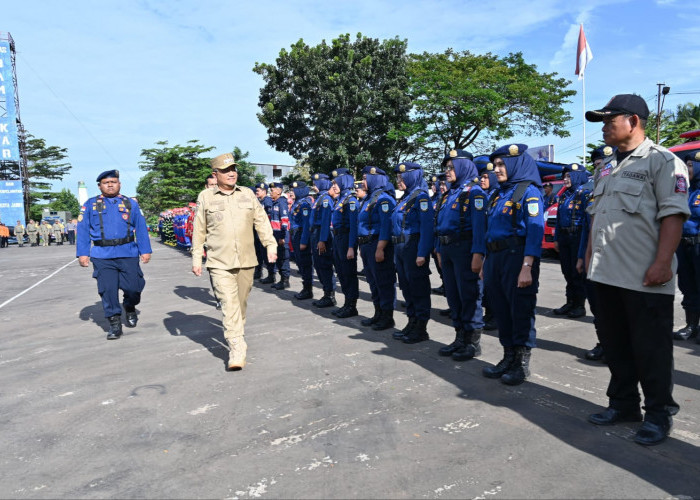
(324, 408)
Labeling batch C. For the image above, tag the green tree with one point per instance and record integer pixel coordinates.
(45, 164)
(463, 100)
(174, 175)
(247, 175)
(686, 117)
(66, 200)
(337, 102)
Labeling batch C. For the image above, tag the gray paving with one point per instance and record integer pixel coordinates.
(324, 409)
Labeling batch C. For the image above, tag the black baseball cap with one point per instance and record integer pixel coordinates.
(621, 104)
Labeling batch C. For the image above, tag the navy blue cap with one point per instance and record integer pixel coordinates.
(603, 152)
(508, 150)
(457, 153)
(262, 186)
(319, 176)
(433, 179)
(359, 185)
(373, 170)
(276, 185)
(406, 167)
(340, 171)
(572, 167)
(108, 173)
(298, 184)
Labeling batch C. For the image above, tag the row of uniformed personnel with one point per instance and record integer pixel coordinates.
(39, 234)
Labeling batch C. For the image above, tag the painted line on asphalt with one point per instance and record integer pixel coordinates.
(36, 284)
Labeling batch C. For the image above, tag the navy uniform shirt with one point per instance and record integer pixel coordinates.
(454, 217)
(118, 221)
(529, 222)
(279, 218)
(321, 215)
(414, 215)
(301, 214)
(691, 227)
(375, 215)
(344, 216)
(572, 204)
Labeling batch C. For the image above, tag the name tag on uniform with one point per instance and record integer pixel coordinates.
(637, 176)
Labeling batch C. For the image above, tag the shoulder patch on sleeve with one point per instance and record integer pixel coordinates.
(479, 202)
(325, 203)
(533, 209)
(385, 206)
(352, 206)
(681, 184)
(424, 206)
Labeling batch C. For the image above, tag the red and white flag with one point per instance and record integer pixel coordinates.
(583, 54)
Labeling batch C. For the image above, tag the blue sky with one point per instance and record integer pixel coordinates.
(107, 79)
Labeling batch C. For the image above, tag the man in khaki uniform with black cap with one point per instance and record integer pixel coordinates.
(224, 221)
(640, 204)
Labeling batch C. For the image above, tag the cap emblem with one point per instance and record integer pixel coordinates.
(513, 150)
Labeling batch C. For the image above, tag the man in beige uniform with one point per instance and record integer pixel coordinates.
(640, 204)
(224, 221)
(33, 233)
(19, 233)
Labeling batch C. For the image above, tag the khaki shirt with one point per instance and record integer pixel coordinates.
(19, 229)
(630, 199)
(32, 228)
(225, 222)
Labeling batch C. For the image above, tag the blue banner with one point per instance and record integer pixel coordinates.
(9, 144)
(11, 202)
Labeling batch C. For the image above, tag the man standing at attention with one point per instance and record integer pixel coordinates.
(224, 221)
(106, 228)
(640, 204)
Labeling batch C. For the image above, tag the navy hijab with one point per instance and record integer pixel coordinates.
(519, 166)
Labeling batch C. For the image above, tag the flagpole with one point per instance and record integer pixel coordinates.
(583, 82)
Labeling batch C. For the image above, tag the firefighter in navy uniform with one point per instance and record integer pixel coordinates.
(512, 266)
(321, 240)
(344, 228)
(435, 182)
(279, 219)
(300, 218)
(489, 183)
(412, 235)
(567, 239)
(261, 193)
(688, 254)
(112, 234)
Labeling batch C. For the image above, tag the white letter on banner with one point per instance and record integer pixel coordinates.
(2, 89)
(6, 153)
(2, 78)
(5, 140)
(3, 128)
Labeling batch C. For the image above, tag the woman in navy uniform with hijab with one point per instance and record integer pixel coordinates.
(412, 235)
(512, 267)
(322, 240)
(300, 218)
(344, 226)
(489, 183)
(571, 217)
(376, 247)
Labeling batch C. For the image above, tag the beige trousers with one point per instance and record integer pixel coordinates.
(232, 288)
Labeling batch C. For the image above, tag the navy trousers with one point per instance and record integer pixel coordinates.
(282, 263)
(344, 268)
(323, 263)
(303, 258)
(118, 274)
(461, 286)
(568, 255)
(688, 256)
(261, 254)
(513, 307)
(414, 281)
(381, 276)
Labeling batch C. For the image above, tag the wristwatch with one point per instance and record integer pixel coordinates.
(525, 264)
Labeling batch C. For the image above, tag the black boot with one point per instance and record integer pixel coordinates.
(579, 308)
(115, 327)
(595, 354)
(328, 300)
(386, 320)
(306, 293)
(349, 310)
(454, 346)
(418, 334)
(690, 329)
(281, 284)
(489, 321)
(439, 290)
(502, 366)
(472, 348)
(519, 369)
(131, 317)
(401, 334)
(565, 308)
(373, 319)
(257, 274)
(269, 280)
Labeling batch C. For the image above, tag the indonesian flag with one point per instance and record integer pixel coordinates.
(583, 54)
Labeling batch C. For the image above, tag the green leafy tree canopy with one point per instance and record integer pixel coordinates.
(45, 164)
(337, 102)
(65, 200)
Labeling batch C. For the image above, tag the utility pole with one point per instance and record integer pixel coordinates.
(663, 90)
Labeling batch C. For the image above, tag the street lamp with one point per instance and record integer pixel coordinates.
(663, 90)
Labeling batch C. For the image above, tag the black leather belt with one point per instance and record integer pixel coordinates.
(363, 240)
(341, 230)
(113, 243)
(447, 239)
(506, 243)
(404, 239)
(570, 230)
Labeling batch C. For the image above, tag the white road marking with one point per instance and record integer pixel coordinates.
(202, 409)
(36, 284)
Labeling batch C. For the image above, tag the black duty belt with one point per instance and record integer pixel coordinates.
(341, 230)
(113, 243)
(505, 244)
(404, 238)
(447, 239)
(363, 240)
(570, 230)
(314, 229)
(691, 240)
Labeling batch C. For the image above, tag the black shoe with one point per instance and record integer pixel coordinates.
(576, 312)
(361, 272)
(611, 416)
(419, 333)
(690, 329)
(439, 290)
(455, 346)
(400, 334)
(373, 319)
(472, 347)
(519, 369)
(328, 300)
(651, 433)
(564, 309)
(269, 280)
(503, 365)
(306, 293)
(349, 310)
(337, 311)
(257, 274)
(281, 284)
(595, 354)
(385, 321)
(218, 305)
(444, 312)
(131, 319)
(115, 327)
